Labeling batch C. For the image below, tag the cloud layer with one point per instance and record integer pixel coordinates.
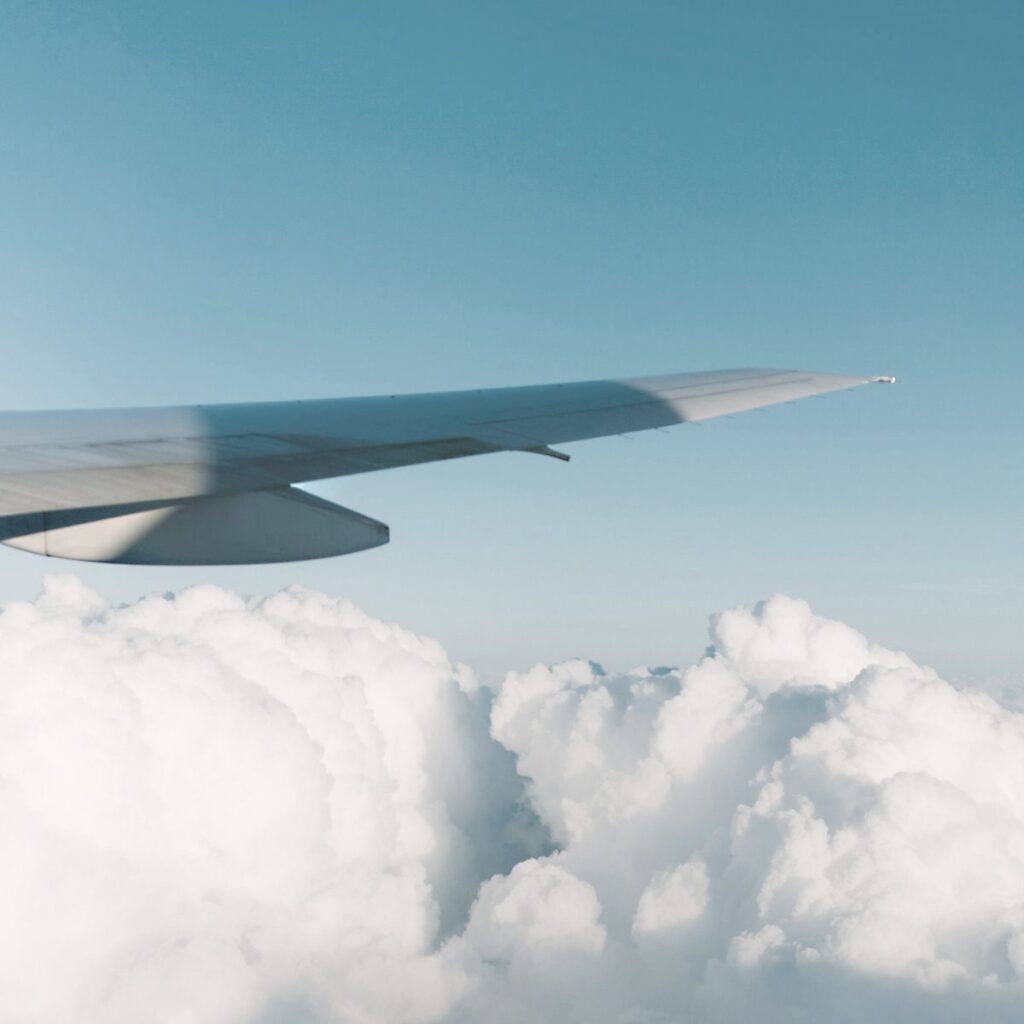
(282, 810)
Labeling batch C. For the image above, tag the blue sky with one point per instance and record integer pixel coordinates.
(216, 202)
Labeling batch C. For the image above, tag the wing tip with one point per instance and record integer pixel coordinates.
(882, 380)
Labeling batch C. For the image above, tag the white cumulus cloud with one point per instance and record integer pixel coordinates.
(672, 898)
(215, 809)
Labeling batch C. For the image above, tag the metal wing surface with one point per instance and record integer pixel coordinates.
(212, 484)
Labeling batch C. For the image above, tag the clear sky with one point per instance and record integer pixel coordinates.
(231, 201)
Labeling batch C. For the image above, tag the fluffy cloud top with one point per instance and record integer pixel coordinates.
(282, 810)
(673, 898)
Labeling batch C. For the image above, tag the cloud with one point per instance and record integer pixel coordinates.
(672, 898)
(209, 803)
(537, 910)
(282, 810)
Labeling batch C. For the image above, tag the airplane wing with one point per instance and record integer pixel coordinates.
(212, 484)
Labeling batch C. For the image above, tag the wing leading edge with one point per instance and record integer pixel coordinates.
(142, 485)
